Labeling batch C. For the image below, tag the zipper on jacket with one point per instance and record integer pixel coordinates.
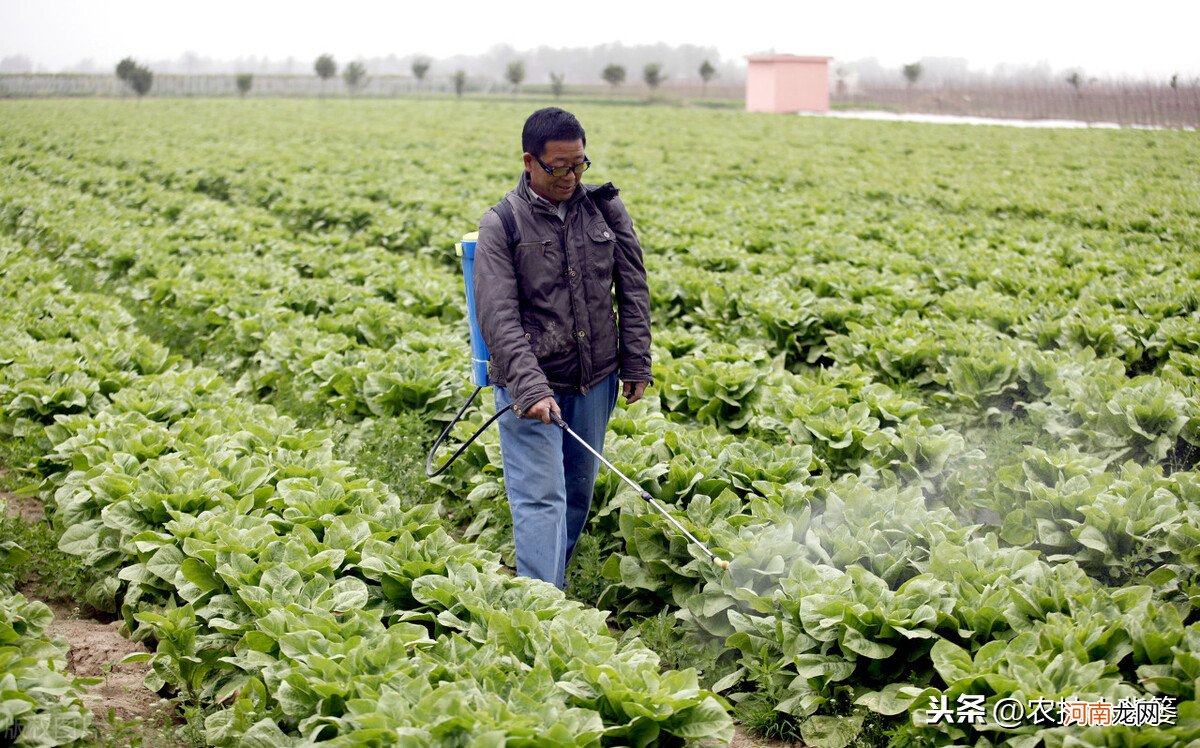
(562, 240)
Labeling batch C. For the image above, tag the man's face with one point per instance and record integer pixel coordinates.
(557, 153)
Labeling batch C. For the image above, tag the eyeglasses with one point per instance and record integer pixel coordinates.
(561, 171)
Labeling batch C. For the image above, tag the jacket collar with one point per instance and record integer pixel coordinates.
(539, 203)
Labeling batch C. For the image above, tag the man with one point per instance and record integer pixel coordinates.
(545, 308)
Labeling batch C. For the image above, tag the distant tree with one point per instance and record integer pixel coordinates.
(1076, 80)
(912, 73)
(141, 79)
(420, 67)
(556, 84)
(614, 75)
(460, 82)
(135, 76)
(653, 75)
(325, 67)
(355, 76)
(125, 69)
(515, 74)
(707, 73)
(244, 82)
(1174, 82)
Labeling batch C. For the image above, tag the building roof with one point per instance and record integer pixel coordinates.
(786, 58)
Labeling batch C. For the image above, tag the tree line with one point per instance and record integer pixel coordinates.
(139, 78)
(1075, 77)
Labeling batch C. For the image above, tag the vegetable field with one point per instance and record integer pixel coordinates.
(932, 391)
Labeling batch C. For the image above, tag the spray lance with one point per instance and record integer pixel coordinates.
(554, 417)
(479, 377)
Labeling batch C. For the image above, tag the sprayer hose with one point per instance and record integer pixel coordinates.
(429, 471)
(557, 420)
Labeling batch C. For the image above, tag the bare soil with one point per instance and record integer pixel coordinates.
(26, 508)
(96, 649)
(743, 739)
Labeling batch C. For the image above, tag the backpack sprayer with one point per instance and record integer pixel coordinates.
(479, 377)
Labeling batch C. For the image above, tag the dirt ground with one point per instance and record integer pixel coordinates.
(96, 652)
(743, 739)
(25, 508)
(96, 648)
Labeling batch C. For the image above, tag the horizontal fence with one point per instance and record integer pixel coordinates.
(170, 85)
(669, 89)
(1148, 104)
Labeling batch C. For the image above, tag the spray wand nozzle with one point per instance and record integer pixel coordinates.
(719, 562)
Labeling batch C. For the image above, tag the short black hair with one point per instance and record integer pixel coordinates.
(549, 124)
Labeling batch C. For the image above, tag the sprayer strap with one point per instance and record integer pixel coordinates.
(509, 219)
(600, 195)
(429, 468)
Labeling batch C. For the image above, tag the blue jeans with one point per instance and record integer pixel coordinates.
(549, 477)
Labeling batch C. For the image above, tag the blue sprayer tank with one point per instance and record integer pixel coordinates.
(479, 351)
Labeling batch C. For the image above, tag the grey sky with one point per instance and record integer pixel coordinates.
(1149, 37)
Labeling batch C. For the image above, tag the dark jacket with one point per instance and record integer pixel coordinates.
(545, 307)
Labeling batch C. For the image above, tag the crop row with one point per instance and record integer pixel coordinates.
(825, 437)
(966, 364)
(274, 579)
(331, 350)
(40, 702)
(912, 318)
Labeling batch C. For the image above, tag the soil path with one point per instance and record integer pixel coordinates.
(96, 647)
(25, 508)
(96, 652)
(743, 739)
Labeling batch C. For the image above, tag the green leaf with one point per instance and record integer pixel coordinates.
(831, 732)
(166, 563)
(895, 698)
(708, 720)
(853, 640)
(266, 734)
(729, 681)
(81, 539)
(346, 594)
(952, 662)
(200, 574)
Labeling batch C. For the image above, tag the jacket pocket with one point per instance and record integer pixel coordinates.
(538, 267)
(601, 244)
(555, 350)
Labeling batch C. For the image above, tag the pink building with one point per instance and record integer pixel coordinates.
(787, 83)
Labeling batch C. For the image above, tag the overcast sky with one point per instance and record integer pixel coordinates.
(1148, 37)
